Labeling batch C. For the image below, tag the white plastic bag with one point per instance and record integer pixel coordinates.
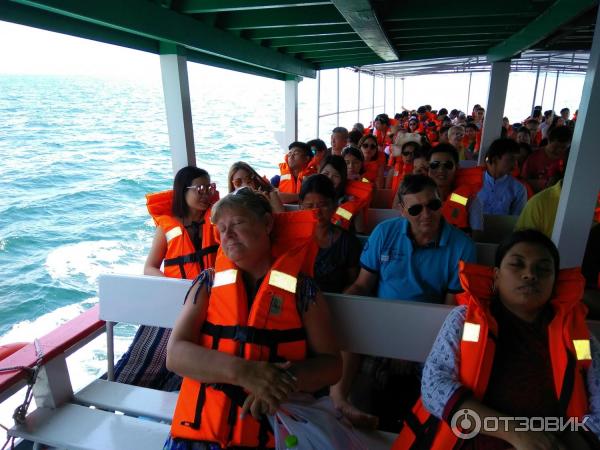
(316, 424)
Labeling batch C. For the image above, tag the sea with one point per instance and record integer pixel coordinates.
(79, 153)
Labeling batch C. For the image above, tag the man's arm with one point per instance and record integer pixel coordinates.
(364, 284)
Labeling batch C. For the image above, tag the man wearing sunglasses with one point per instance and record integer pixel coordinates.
(458, 188)
(413, 257)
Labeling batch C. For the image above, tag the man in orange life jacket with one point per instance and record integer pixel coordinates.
(413, 257)
(293, 170)
(458, 199)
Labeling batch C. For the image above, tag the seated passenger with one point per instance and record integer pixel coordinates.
(293, 170)
(501, 193)
(352, 197)
(354, 138)
(403, 165)
(319, 151)
(242, 175)
(458, 187)
(374, 160)
(354, 163)
(184, 244)
(412, 257)
(339, 137)
(336, 266)
(518, 347)
(257, 282)
(546, 162)
(456, 135)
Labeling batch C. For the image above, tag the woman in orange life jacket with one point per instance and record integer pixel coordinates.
(182, 234)
(355, 161)
(374, 160)
(336, 265)
(518, 346)
(381, 127)
(458, 188)
(420, 166)
(404, 165)
(252, 330)
(319, 150)
(352, 197)
(243, 175)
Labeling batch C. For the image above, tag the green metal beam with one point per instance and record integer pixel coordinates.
(340, 56)
(148, 20)
(560, 13)
(284, 17)
(442, 53)
(434, 36)
(325, 47)
(210, 6)
(468, 9)
(349, 63)
(312, 40)
(295, 32)
(363, 19)
(443, 43)
(458, 24)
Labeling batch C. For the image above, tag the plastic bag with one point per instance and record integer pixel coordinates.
(316, 423)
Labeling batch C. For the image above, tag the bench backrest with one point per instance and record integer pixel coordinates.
(397, 329)
(497, 228)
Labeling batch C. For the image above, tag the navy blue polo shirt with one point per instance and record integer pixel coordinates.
(407, 272)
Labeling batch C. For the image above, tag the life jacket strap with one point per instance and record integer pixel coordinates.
(192, 257)
(252, 335)
(424, 432)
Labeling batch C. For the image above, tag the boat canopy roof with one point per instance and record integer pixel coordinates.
(287, 39)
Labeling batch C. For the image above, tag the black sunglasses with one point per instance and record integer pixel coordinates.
(369, 145)
(448, 165)
(433, 205)
(407, 153)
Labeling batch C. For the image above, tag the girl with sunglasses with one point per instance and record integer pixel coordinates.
(374, 160)
(184, 245)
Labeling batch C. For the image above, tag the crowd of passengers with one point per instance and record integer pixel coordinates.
(255, 327)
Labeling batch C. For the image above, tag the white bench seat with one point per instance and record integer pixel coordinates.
(128, 399)
(78, 427)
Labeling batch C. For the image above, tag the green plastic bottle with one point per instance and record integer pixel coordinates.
(291, 442)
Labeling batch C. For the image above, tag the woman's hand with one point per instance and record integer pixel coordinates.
(271, 384)
(356, 417)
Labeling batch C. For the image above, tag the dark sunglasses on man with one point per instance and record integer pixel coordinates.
(435, 165)
(433, 205)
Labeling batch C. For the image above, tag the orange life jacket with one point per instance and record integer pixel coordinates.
(181, 260)
(382, 137)
(361, 193)
(597, 213)
(517, 174)
(287, 182)
(568, 341)
(400, 171)
(372, 167)
(468, 182)
(269, 330)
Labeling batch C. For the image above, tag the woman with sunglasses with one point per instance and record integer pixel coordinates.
(403, 165)
(458, 188)
(517, 347)
(336, 266)
(184, 244)
(374, 160)
(242, 175)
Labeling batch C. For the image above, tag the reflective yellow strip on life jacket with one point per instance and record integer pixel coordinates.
(471, 332)
(283, 281)
(365, 180)
(459, 199)
(173, 233)
(582, 348)
(287, 176)
(225, 277)
(343, 213)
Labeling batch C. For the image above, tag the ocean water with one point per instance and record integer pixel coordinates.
(79, 153)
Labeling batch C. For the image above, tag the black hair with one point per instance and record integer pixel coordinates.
(565, 110)
(338, 163)
(560, 134)
(472, 125)
(183, 179)
(302, 146)
(416, 146)
(319, 184)
(526, 146)
(444, 148)
(442, 111)
(383, 118)
(413, 184)
(421, 152)
(354, 136)
(529, 236)
(523, 129)
(421, 110)
(500, 147)
(445, 128)
(318, 144)
(537, 113)
(340, 130)
(354, 152)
